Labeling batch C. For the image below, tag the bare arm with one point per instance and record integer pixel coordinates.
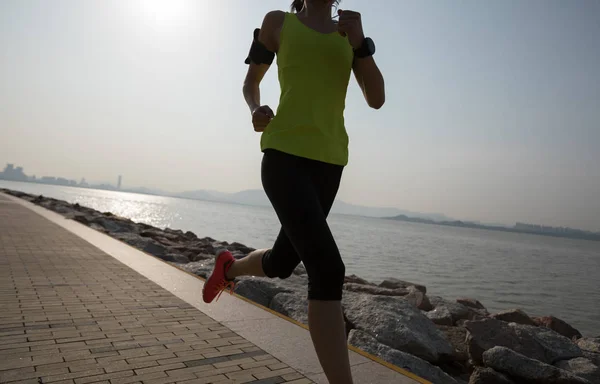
(370, 80)
(271, 24)
(367, 73)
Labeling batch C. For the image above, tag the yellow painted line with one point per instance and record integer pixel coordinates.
(376, 359)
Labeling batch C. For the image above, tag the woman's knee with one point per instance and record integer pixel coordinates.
(326, 280)
(281, 267)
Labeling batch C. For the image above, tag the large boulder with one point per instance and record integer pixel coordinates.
(373, 290)
(291, 305)
(395, 284)
(239, 248)
(356, 280)
(398, 324)
(190, 235)
(457, 310)
(591, 344)
(457, 336)
(259, 290)
(471, 303)
(488, 376)
(419, 367)
(176, 258)
(114, 224)
(581, 367)
(514, 316)
(534, 342)
(591, 356)
(440, 315)
(418, 299)
(201, 268)
(558, 325)
(505, 360)
(79, 217)
(170, 235)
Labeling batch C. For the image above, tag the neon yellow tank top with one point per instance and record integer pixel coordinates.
(314, 71)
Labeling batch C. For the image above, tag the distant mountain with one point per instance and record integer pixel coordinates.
(258, 197)
(359, 210)
(532, 229)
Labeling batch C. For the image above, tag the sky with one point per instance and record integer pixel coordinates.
(492, 110)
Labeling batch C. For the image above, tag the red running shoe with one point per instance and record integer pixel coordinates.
(217, 282)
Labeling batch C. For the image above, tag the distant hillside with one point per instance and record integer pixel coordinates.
(531, 229)
(258, 197)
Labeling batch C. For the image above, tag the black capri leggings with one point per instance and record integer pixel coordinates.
(302, 192)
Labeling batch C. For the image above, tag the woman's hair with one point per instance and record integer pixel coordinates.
(297, 5)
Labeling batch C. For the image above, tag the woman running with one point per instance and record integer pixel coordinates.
(305, 149)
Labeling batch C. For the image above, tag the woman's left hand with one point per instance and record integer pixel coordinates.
(350, 24)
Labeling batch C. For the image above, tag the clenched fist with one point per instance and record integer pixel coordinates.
(350, 24)
(261, 117)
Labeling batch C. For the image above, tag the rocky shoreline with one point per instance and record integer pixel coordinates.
(443, 341)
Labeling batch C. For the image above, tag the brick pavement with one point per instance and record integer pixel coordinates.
(71, 314)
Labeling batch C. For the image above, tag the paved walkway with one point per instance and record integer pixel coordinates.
(69, 313)
(72, 313)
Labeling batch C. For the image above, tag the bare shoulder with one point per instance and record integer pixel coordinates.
(271, 28)
(274, 19)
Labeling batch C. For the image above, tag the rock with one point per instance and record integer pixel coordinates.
(62, 209)
(478, 314)
(161, 236)
(419, 367)
(373, 290)
(395, 284)
(193, 256)
(457, 336)
(79, 217)
(557, 325)
(201, 268)
(300, 270)
(488, 376)
(471, 303)
(591, 344)
(513, 316)
(260, 290)
(291, 305)
(190, 235)
(114, 225)
(458, 311)
(155, 249)
(98, 228)
(505, 360)
(398, 324)
(593, 357)
(581, 367)
(357, 280)
(418, 299)
(239, 248)
(204, 247)
(175, 258)
(533, 342)
(440, 315)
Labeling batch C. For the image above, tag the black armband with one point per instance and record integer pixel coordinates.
(259, 54)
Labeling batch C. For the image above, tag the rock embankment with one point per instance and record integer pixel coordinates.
(441, 340)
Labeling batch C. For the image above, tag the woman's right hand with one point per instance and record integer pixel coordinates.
(261, 117)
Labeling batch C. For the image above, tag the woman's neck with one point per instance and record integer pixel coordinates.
(316, 10)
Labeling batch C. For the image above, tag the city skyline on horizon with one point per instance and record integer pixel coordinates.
(491, 112)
